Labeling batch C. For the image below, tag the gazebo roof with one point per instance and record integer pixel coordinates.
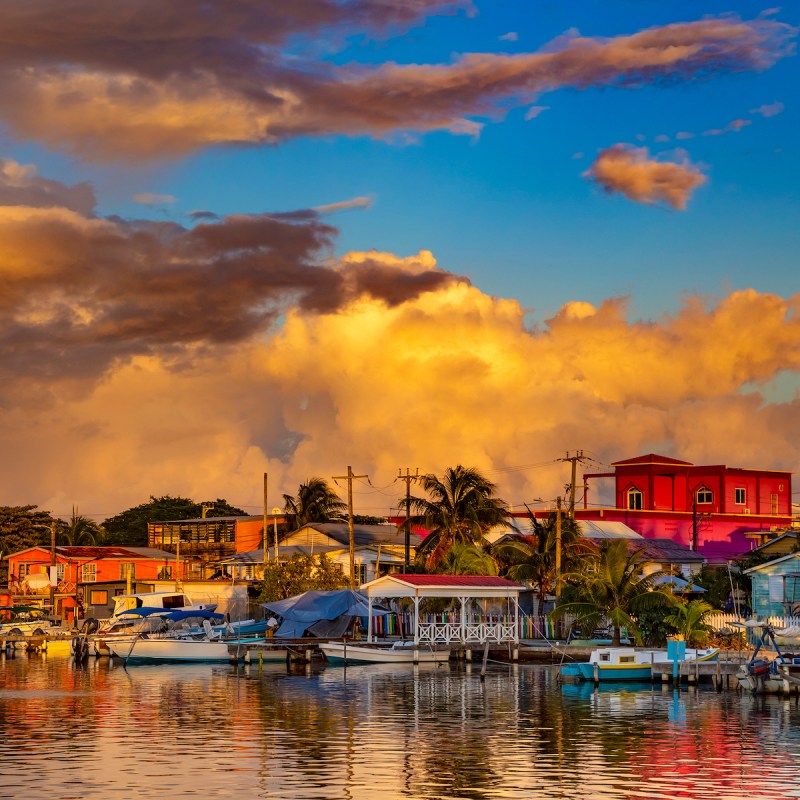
(441, 586)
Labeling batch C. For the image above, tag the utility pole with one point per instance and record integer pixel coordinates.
(264, 538)
(53, 571)
(349, 478)
(574, 461)
(557, 591)
(408, 477)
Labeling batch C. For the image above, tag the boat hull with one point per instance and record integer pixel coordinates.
(177, 650)
(340, 653)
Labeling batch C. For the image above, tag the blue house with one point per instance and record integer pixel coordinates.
(776, 587)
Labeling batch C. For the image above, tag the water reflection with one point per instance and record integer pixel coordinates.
(395, 731)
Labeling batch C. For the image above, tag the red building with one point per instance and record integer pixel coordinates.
(708, 508)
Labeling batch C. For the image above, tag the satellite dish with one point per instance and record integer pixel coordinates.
(38, 580)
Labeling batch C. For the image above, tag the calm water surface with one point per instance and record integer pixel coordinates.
(379, 731)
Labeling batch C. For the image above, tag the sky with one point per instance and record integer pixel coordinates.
(241, 237)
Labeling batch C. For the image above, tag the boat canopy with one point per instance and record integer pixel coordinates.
(310, 611)
(197, 613)
(144, 611)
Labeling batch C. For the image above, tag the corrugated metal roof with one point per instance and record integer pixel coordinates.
(112, 551)
(606, 529)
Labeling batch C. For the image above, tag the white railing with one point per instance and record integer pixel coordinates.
(448, 632)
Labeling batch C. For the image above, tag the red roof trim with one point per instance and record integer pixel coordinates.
(455, 580)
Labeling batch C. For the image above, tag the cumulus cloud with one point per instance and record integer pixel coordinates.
(107, 85)
(82, 293)
(447, 376)
(21, 186)
(631, 172)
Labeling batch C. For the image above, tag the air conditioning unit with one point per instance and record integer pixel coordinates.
(745, 511)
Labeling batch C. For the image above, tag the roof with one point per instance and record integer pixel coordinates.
(665, 550)
(652, 458)
(771, 563)
(678, 584)
(95, 553)
(770, 543)
(606, 529)
(397, 585)
(362, 534)
(241, 517)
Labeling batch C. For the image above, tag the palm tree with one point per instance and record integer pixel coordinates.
(79, 530)
(460, 509)
(532, 559)
(315, 502)
(469, 559)
(615, 590)
(688, 621)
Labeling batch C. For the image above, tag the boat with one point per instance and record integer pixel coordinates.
(184, 635)
(166, 601)
(137, 621)
(633, 664)
(397, 653)
(779, 674)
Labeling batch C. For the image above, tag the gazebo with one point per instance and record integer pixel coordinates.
(466, 629)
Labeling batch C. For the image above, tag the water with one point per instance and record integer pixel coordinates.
(383, 731)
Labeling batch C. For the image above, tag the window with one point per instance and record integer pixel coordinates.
(704, 496)
(60, 571)
(740, 497)
(774, 503)
(98, 597)
(88, 573)
(635, 499)
(127, 569)
(164, 574)
(361, 573)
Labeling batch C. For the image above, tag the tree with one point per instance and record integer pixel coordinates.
(613, 588)
(301, 573)
(460, 509)
(688, 619)
(21, 527)
(315, 502)
(469, 559)
(130, 527)
(79, 530)
(532, 559)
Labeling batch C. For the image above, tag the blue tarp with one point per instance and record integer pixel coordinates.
(144, 611)
(180, 614)
(303, 610)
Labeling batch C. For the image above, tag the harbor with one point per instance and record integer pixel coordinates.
(425, 732)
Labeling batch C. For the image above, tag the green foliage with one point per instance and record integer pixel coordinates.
(130, 527)
(468, 559)
(21, 527)
(315, 502)
(653, 626)
(688, 621)
(614, 589)
(532, 559)
(460, 509)
(301, 573)
(717, 583)
(79, 530)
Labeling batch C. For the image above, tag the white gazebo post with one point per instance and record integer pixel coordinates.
(416, 619)
(369, 620)
(463, 601)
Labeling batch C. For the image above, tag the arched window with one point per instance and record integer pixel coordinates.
(704, 496)
(635, 499)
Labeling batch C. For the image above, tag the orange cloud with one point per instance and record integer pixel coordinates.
(227, 75)
(631, 172)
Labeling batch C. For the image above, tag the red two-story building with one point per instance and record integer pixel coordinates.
(711, 509)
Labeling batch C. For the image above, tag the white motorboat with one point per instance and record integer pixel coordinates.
(396, 653)
(142, 649)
